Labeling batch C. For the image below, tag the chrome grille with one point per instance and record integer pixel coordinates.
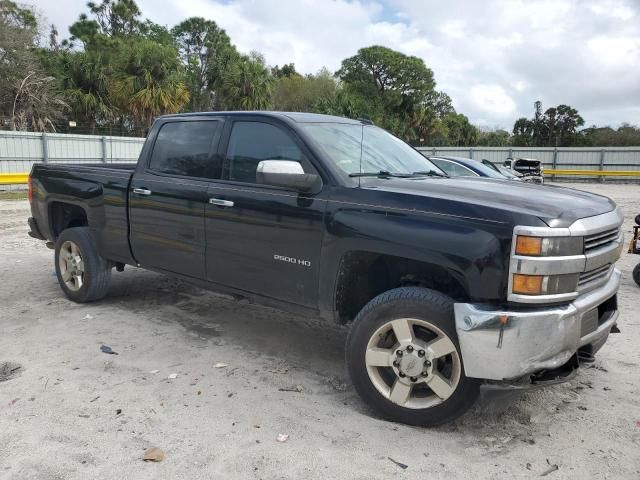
(601, 239)
(593, 275)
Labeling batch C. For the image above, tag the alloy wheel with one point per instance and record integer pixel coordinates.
(413, 363)
(71, 266)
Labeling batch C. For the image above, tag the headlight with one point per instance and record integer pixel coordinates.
(548, 246)
(544, 284)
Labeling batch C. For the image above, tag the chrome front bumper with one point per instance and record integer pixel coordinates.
(508, 344)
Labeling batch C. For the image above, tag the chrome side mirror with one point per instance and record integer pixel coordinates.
(287, 174)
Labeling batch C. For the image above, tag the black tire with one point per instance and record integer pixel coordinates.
(636, 274)
(637, 219)
(97, 271)
(413, 303)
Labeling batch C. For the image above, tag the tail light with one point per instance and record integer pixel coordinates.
(30, 192)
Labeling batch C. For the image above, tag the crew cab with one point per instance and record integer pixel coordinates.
(449, 284)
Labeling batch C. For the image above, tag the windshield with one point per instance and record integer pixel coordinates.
(357, 149)
(487, 171)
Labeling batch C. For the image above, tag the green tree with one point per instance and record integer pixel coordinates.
(556, 127)
(522, 132)
(295, 93)
(116, 18)
(148, 82)
(28, 95)
(340, 104)
(560, 126)
(205, 51)
(493, 138)
(460, 133)
(287, 71)
(398, 79)
(624, 136)
(85, 78)
(398, 92)
(246, 84)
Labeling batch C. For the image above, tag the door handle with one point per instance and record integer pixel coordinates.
(142, 191)
(221, 203)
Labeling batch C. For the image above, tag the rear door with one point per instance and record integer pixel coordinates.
(264, 239)
(168, 197)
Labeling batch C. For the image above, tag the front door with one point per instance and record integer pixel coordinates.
(262, 239)
(168, 198)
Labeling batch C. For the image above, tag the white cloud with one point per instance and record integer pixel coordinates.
(492, 100)
(494, 58)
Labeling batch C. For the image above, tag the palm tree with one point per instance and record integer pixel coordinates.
(151, 82)
(247, 85)
(85, 81)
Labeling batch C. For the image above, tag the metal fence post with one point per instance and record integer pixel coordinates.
(554, 163)
(434, 151)
(45, 148)
(104, 149)
(471, 153)
(602, 154)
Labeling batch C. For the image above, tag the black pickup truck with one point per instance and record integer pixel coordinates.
(450, 284)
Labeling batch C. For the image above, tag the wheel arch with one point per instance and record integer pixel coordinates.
(361, 275)
(64, 215)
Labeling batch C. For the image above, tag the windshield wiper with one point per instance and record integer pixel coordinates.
(381, 174)
(431, 173)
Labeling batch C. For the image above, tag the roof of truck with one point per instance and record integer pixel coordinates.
(299, 117)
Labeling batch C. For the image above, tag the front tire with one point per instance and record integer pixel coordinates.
(636, 274)
(404, 359)
(83, 275)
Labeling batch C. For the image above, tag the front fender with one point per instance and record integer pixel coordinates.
(475, 253)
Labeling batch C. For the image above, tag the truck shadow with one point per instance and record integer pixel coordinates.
(306, 343)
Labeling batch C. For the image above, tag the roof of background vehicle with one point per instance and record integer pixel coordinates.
(475, 165)
(298, 117)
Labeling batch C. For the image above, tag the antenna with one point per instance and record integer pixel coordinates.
(361, 149)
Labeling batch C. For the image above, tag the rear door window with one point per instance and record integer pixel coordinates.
(186, 148)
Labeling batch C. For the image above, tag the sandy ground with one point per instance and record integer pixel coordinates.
(59, 414)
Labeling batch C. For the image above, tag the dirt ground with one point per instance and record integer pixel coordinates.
(73, 412)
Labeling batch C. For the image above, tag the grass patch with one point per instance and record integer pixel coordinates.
(17, 195)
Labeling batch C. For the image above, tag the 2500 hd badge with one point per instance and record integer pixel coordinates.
(297, 261)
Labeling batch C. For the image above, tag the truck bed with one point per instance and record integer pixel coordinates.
(100, 189)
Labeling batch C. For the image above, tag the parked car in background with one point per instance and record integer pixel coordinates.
(510, 174)
(530, 169)
(467, 167)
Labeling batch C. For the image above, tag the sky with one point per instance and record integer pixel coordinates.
(494, 58)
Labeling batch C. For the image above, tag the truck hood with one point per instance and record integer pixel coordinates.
(555, 206)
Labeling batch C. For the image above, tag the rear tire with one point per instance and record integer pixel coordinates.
(83, 275)
(636, 274)
(404, 359)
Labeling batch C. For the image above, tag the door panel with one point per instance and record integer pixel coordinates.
(263, 239)
(267, 243)
(167, 226)
(168, 197)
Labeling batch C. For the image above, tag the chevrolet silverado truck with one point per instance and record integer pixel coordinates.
(449, 284)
